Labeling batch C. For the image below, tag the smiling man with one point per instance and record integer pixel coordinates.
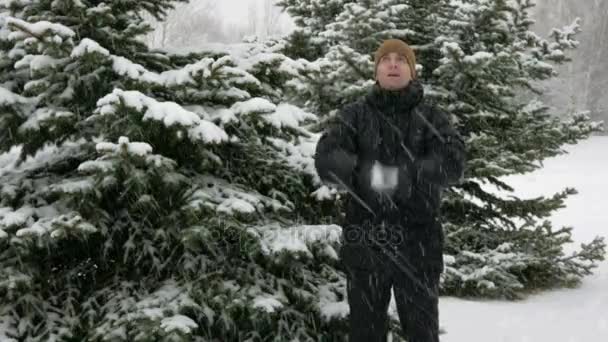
(394, 154)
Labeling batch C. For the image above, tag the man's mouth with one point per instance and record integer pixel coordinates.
(393, 75)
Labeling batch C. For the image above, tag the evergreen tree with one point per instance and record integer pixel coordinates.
(311, 17)
(478, 60)
(152, 196)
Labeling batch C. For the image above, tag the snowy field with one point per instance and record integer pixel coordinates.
(569, 315)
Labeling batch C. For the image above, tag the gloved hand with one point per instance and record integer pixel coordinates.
(363, 174)
(405, 182)
(336, 168)
(430, 170)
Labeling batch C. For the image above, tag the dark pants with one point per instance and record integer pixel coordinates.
(406, 258)
(416, 296)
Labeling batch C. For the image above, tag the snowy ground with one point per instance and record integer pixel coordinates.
(570, 315)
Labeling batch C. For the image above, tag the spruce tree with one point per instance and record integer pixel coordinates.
(479, 60)
(146, 195)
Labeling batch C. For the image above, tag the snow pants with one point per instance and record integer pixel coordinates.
(416, 297)
(408, 264)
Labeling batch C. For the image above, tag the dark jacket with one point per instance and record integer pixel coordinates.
(395, 128)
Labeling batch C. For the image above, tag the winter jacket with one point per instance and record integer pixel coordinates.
(396, 128)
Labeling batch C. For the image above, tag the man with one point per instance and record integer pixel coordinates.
(394, 154)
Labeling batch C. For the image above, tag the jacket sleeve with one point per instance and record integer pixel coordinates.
(444, 160)
(336, 154)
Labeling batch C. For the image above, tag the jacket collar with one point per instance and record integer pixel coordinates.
(394, 102)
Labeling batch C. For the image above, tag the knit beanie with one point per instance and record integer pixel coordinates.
(401, 48)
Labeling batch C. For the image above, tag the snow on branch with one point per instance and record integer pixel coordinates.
(8, 98)
(276, 239)
(169, 113)
(37, 30)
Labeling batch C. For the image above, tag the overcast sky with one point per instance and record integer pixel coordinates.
(235, 10)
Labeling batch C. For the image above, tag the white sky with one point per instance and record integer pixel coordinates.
(235, 10)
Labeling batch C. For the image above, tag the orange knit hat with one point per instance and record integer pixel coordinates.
(397, 46)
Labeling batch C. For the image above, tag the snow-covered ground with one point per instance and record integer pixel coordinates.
(568, 315)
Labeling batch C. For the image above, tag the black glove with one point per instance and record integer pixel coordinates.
(336, 167)
(404, 185)
(430, 171)
(363, 176)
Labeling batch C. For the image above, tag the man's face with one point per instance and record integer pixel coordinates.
(393, 72)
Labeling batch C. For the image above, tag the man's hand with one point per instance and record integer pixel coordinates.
(404, 184)
(363, 175)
